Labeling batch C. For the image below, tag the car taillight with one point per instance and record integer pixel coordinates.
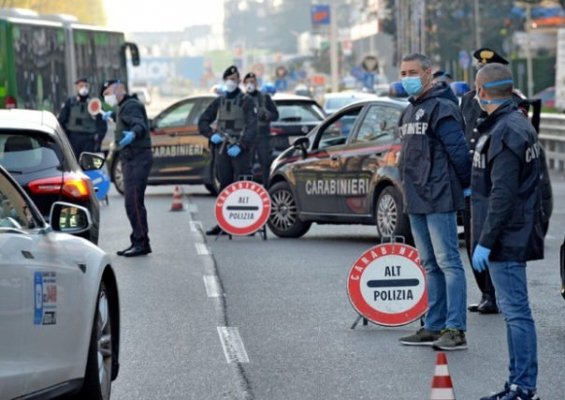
(276, 131)
(72, 186)
(10, 102)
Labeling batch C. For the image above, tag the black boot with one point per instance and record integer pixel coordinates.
(214, 231)
(488, 306)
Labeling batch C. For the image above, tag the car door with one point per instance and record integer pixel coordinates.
(44, 295)
(319, 181)
(368, 152)
(171, 154)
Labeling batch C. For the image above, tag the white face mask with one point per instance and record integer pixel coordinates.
(83, 91)
(111, 100)
(231, 85)
(250, 88)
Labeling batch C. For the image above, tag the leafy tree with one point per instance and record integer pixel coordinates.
(87, 11)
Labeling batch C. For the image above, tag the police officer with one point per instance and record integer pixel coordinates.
(266, 112)
(506, 218)
(436, 170)
(134, 142)
(83, 130)
(236, 119)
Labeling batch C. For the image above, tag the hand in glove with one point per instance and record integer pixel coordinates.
(234, 150)
(106, 115)
(216, 138)
(480, 258)
(467, 192)
(127, 139)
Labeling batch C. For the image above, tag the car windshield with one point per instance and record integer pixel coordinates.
(303, 113)
(339, 102)
(24, 151)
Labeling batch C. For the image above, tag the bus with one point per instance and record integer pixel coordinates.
(42, 56)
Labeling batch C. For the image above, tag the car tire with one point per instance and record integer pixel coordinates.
(118, 176)
(98, 376)
(284, 221)
(389, 218)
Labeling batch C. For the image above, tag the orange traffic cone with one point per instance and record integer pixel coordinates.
(177, 200)
(442, 387)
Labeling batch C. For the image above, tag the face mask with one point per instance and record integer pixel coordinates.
(250, 88)
(230, 85)
(83, 91)
(111, 100)
(412, 85)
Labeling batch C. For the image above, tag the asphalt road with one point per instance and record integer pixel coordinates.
(271, 320)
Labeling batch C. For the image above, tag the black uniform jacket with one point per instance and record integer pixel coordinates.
(506, 207)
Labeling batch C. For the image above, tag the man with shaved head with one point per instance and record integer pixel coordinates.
(506, 219)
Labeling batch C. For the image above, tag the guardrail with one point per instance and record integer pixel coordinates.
(552, 138)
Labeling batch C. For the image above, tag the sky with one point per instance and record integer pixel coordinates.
(162, 15)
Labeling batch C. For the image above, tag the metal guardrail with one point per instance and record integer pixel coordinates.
(552, 138)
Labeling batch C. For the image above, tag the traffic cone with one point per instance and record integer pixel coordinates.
(442, 387)
(177, 200)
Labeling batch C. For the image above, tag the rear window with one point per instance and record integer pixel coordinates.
(334, 104)
(299, 112)
(28, 151)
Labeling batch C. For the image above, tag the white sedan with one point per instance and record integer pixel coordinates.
(59, 307)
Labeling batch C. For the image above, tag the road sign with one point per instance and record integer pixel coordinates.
(387, 285)
(370, 63)
(320, 14)
(243, 208)
(464, 59)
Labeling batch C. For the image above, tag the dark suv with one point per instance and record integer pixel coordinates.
(36, 152)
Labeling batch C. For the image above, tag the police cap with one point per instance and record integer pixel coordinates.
(230, 71)
(82, 79)
(249, 75)
(486, 55)
(107, 84)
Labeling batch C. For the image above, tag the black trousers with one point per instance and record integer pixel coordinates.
(262, 149)
(482, 278)
(82, 142)
(136, 166)
(229, 169)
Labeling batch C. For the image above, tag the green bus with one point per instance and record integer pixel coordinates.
(41, 58)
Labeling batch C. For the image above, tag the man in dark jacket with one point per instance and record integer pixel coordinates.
(235, 117)
(134, 143)
(266, 113)
(436, 169)
(82, 129)
(506, 219)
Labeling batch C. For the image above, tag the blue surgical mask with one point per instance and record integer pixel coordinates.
(412, 85)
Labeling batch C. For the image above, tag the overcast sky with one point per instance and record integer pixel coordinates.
(162, 15)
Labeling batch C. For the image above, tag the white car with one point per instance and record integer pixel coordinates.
(59, 306)
(338, 100)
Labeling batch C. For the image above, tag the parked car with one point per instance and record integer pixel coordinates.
(335, 101)
(182, 155)
(36, 151)
(59, 305)
(547, 97)
(344, 172)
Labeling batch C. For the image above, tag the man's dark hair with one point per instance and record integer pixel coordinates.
(425, 62)
(496, 80)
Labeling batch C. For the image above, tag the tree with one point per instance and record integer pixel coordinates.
(87, 11)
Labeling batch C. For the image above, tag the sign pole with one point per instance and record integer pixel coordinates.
(333, 50)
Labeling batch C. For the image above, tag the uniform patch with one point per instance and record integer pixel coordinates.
(419, 114)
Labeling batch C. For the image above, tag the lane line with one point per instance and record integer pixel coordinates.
(202, 249)
(212, 285)
(196, 226)
(234, 350)
(193, 208)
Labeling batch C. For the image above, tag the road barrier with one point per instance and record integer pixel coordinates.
(552, 138)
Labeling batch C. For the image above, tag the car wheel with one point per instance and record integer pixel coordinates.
(390, 220)
(98, 377)
(118, 176)
(284, 221)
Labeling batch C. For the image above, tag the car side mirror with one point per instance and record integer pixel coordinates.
(301, 144)
(69, 218)
(90, 161)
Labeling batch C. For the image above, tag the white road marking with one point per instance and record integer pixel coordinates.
(234, 349)
(196, 226)
(193, 208)
(202, 249)
(212, 285)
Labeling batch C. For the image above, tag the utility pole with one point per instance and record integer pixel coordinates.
(334, 67)
(529, 71)
(477, 11)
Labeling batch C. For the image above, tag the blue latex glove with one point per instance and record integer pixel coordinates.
(467, 192)
(480, 258)
(127, 139)
(106, 115)
(234, 150)
(216, 138)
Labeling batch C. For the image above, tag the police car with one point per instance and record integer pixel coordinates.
(59, 311)
(343, 172)
(181, 155)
